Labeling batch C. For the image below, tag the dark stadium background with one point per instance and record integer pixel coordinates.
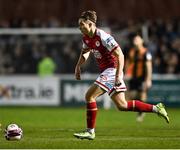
(50, 109)
(122, 17)
(157, 21)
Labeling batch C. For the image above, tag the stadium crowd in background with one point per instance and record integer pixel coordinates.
(27, 50)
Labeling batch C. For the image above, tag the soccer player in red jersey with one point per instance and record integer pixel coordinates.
(110, 60)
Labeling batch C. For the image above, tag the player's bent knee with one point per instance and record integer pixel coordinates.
(121, 107)
(89, 97)
(120, 102)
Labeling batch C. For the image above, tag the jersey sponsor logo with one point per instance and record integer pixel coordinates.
(97, 54)
(97, 43)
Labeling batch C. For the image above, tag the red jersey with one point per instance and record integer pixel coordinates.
(102, 45)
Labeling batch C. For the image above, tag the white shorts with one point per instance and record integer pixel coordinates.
(106, 80)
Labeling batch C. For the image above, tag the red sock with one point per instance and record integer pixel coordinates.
(136, 105)
(91, 114)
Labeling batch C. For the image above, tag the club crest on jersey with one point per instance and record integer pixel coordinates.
(97, 43)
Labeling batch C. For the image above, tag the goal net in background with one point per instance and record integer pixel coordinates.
(21, 49)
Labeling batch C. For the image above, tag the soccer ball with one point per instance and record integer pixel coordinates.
(13, 132)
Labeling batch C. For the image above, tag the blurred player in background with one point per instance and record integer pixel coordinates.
(110, 60)
(139, 69)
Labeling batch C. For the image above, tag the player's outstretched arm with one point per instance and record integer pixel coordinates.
(82, 59)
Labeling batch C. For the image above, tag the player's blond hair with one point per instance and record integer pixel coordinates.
(89, 15)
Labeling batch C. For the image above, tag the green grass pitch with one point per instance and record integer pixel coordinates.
(54, 127)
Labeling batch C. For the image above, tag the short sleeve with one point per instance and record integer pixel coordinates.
(108, 41)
